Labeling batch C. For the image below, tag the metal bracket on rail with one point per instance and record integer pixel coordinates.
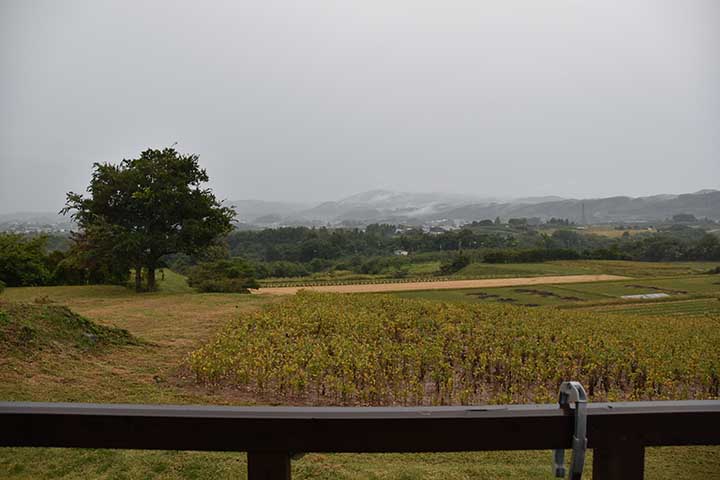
(572, 397)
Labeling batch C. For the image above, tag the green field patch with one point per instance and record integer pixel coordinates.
(632, 268)
(577, 295)
(698, 308)
(429, 270)
(491, 270)
(690, 285)
(531, 296)
(581, 267)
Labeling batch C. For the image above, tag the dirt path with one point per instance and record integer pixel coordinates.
(445, 285)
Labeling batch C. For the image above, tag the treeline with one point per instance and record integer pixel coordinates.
(303, 244)
(238, 259)
(28, 261)
(662, 247)
(316, 247)
(383, 249)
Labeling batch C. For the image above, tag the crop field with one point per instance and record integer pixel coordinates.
(191, 348)
(695, 285)
(528, 296)
(698, 308)
(575, 294)
(381, 350)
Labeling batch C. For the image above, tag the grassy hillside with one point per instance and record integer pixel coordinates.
(28, 329)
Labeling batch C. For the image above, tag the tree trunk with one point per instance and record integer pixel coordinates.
(138, 279)
(151, 285)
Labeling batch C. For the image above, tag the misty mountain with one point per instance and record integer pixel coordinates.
(252, 210)
(602, 210)
(384, 206)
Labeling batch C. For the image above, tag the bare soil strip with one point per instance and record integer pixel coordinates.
(447, 285)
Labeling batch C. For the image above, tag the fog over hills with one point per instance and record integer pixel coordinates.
(417, 208)
(386, 206)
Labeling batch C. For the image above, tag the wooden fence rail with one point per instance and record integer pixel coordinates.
(618, 432)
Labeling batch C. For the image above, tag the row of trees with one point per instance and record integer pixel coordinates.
(27, 262)
(657, 248)
(303, 244)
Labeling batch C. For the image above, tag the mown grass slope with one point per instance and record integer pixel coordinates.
(28, 329)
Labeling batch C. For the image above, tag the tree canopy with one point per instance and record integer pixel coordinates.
(142, 209)
(22, 261)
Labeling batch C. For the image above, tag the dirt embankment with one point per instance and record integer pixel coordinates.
(447, 285)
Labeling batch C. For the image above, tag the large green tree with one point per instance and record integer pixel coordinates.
(144, 208)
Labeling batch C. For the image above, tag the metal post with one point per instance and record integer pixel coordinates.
(268, 466)
(573, 398)
(623, 460)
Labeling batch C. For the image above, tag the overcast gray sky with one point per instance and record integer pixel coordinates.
(315, 100)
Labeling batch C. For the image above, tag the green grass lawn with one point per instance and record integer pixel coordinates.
(173, 322)
(74, 464)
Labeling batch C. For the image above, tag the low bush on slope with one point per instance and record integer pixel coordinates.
(30, 328)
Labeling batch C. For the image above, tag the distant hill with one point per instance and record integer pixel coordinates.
(602, 210)
(29, 222)
(251, 210)
(384, 206)
(418, 208)
(387, 206)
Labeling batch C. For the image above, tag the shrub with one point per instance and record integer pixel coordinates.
(225, 276)
(286, 269)
(226, 285)
(23, 261)
(454, 264)
(533, 255)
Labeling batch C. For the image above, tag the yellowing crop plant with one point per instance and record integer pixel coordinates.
(381, 350)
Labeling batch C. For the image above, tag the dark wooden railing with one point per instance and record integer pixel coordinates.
(617, 432)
